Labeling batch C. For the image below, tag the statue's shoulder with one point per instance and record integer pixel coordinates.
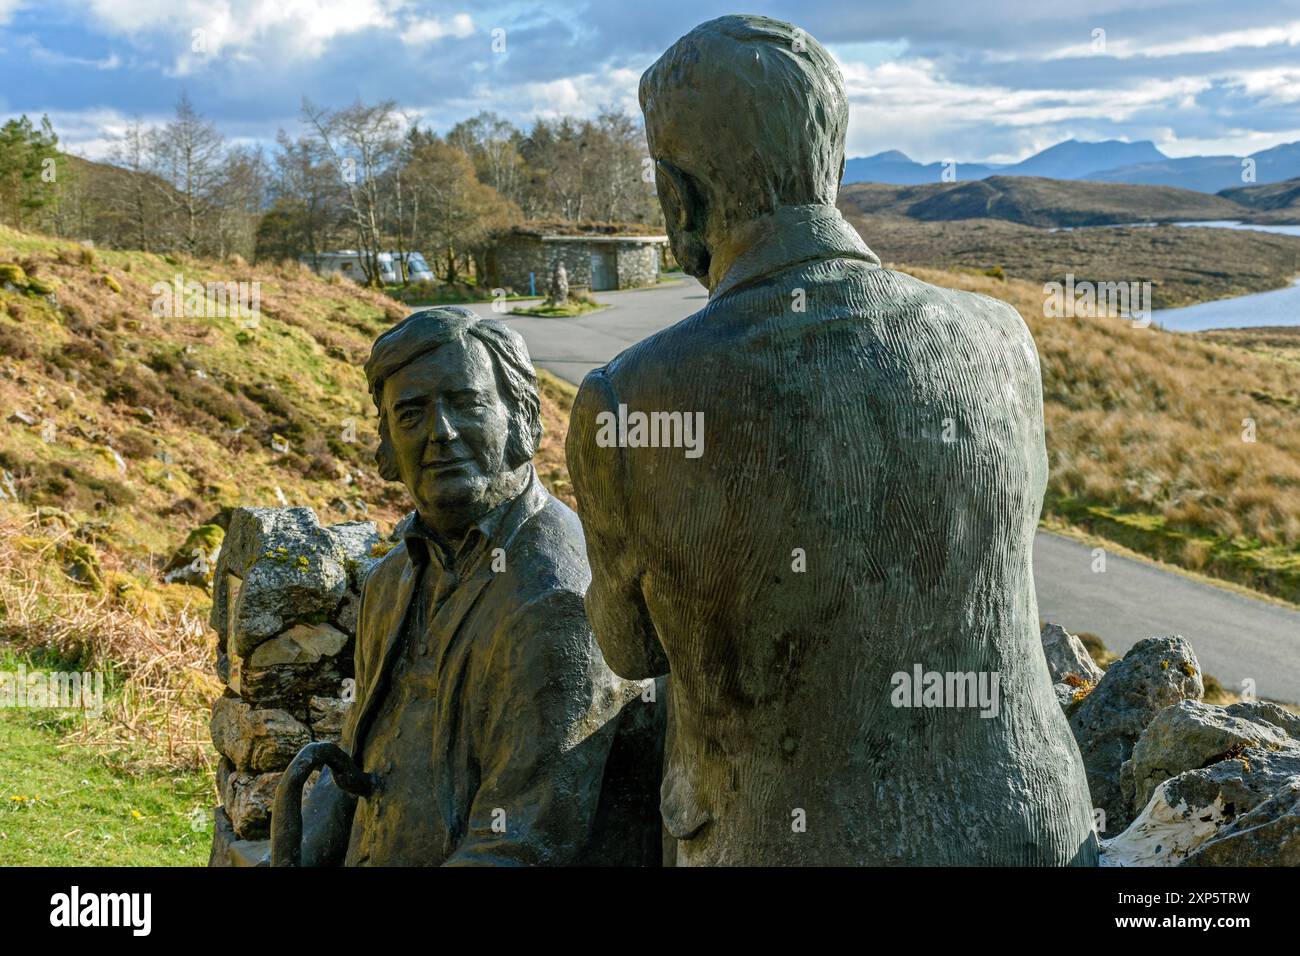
(636, 365)
(549, 551)
(908, 293)
(384, 573)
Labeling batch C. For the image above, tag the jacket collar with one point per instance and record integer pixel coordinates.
(785, 238)
(495, 529)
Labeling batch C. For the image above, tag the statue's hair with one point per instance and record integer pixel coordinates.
(752, 107)
(430, 329)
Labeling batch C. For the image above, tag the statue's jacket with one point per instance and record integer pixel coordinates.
(864, 502)
(523, 705)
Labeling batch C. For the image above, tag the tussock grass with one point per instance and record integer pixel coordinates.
(156, 655)
(1145, 440)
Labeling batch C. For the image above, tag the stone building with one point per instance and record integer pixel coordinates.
(595, 257)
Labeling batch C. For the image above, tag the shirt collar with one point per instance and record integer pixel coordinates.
(495, 528)
(785, 238)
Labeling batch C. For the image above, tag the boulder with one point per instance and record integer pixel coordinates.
(1066, 655)
(278, 567)
(1188, 812)
(247, 799)
(1268, 835)
(1156, 673)
(1188, 736)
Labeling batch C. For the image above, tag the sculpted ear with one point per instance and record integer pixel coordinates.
(685, 211)
(680, 199)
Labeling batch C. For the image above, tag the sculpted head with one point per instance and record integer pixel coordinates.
(459, 414)
(744, 114)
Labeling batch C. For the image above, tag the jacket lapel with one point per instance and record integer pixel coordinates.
(378, 684)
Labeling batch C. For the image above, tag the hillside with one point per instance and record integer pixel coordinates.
(1036, 201)
(1185, 265)
(1279, 202)
(123, 431)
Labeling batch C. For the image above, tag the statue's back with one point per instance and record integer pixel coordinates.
(865, 505)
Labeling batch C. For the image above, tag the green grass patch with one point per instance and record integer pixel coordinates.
(566, 311)
(63, 805)
(1273, 570)
(424, 293)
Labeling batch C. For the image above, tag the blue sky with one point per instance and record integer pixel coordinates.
(978, 81)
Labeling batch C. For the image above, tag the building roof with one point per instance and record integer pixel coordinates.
(557, 230)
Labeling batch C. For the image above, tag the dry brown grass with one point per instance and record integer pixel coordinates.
(156, 657)
(1152, 424)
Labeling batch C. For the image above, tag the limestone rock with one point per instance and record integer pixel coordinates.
(1269, 713)
(1268, 835)
(247, 799)
(301, 644)
(1187, 736)
(291, 686)
(229, 717)
(289, 569)
(1156, 673)
(345, 618)
(256, 740)
(229, 850)
(1200, 806)
(1066, 655)
(558, 292)
(327, 716)
(355, 539)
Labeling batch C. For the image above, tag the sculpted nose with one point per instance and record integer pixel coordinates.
(443, 430)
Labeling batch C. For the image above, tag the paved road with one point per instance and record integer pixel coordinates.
(570, 348)
(1235, 637)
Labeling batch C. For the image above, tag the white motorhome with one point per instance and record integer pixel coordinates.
(348, 264)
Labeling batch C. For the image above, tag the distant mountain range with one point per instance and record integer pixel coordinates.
(1107, 161)
(1061, 203)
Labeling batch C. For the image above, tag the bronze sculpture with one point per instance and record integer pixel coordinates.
(484, 716)
(864, 508)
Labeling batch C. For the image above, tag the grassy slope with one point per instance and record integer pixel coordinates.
(1143, 432)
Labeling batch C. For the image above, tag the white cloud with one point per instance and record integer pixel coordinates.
(41, 54)
(249, 30)
(1237, 142)
(911, 105)
(425, 31)
(92, 133)
(1124, 48)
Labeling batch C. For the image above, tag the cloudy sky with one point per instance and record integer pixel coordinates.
(976, 81)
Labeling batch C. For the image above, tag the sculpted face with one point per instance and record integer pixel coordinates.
(449, 428)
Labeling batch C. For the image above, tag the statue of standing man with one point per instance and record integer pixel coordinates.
(840, 584)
